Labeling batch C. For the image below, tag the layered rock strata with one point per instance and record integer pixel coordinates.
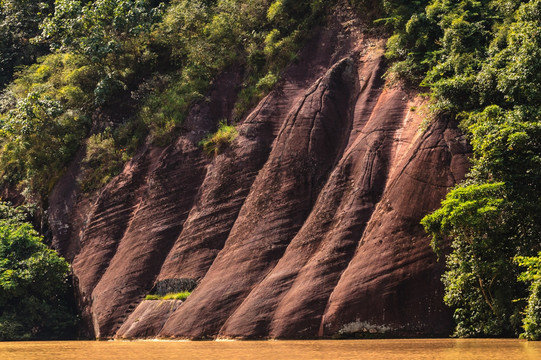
(306, 226)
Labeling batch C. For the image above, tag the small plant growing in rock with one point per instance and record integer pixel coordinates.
(216, 143)
(171, 296)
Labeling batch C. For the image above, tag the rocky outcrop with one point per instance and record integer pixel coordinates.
(148, 319)
(306, 226)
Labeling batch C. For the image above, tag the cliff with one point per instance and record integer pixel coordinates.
(306, 226)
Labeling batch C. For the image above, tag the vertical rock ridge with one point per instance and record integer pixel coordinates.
(278, 203)
(149, 237)
(370, 71)
(230, 175)
(148, 319)
(105, 226)
(393, 278)
(257, 312)
(338, 224)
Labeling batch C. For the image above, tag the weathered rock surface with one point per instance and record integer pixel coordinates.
(148, 319)
(307, 226)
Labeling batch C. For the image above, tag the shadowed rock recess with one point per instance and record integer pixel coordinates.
(306, 226)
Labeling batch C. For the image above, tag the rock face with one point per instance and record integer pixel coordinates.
(306, 226)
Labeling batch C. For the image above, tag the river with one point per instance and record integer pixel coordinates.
(461, 349)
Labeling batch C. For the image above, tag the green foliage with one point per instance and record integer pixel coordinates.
(45, 113)
(479, 281)
(532, 265)
(481, 61)
(43, 122)
(165, 54)
(116, 72)
(207, 37)
(103, 160)
(33, 283)
(15, 215)
(464, 213)
(370, 10)
(112, 34)
(19, 23)
(532, 316)
(171, 296)
(216, 143)
(96, 29)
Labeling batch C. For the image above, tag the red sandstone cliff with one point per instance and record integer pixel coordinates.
(306, 226)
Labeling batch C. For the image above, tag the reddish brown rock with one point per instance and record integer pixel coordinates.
(279, 201)
(393, 279)
(155, 224)
(148, 319)
(285, 303)
(230, 176)
(306, 226)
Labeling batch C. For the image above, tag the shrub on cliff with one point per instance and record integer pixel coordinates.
(216, 143)
(165, 54)
(479, 284)
(110, 34)
(42, 121)
(19, 23)
(171, 296)
(33, 283)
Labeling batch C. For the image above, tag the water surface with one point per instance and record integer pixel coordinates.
(462, 349)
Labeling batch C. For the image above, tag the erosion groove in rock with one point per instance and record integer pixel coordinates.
(306, 226)
(297, 286)
(393, 278)
(104, 227)
(282, 195)
(228, 181)
(150, 235)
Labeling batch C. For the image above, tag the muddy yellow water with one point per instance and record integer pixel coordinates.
(343, 349)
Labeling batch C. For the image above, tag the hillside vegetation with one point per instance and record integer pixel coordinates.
(34, 283)
(108, 76)
(125, 70)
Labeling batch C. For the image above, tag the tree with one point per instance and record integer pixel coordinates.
(19, 23)
(38, 137)
(34, 282)
(495, 215)
(532, 316)
(113, 34)
(480, 284)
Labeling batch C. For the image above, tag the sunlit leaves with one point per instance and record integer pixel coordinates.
(98, 28)
(532, 275)
(33, 283)
(487, 74)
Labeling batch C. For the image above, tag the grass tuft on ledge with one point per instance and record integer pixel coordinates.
(215, 144)
(171, 296)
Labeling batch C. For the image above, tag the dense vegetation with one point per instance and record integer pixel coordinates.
(19, 23)
(481, 61)
(108, 75)
(125, 72)
(33, 282)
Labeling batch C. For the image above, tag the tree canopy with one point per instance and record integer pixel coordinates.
(34, 283)
(481, 62)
